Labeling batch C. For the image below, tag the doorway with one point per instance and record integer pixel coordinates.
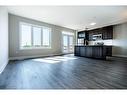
(68, 42)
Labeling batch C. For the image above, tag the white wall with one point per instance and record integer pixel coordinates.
(120, 40)
(3, 38)
(14, 51)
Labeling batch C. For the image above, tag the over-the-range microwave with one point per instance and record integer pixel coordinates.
(97, 37)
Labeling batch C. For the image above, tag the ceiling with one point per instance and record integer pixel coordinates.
(74, 17)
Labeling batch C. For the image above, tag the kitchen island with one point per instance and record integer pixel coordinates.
(93, 51)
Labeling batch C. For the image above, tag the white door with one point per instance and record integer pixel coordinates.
(71, 44)
(68, 46)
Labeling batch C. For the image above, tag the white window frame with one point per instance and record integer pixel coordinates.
(33, 47)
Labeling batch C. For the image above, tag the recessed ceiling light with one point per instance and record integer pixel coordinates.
(93, 23)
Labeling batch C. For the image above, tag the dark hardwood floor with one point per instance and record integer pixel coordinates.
(65, 72)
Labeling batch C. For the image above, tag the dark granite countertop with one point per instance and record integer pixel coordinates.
(93, 45)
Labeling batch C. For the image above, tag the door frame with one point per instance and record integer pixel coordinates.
(68, 39)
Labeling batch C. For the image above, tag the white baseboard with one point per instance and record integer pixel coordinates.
(26, 57)
(120, 55)
(3, 67)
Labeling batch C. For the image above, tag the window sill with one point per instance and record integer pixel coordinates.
(34, 48)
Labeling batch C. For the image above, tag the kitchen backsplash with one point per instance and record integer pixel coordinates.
(106, 42)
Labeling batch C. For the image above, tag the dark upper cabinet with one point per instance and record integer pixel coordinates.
(90, 36)
(94, 32)
(83, 35)
(107, 32)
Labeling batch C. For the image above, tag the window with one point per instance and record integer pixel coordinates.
(36, 37)
(33, 36)
(46, 37)
(26, 36)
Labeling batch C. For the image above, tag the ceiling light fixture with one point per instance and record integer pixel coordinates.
(93, 23)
